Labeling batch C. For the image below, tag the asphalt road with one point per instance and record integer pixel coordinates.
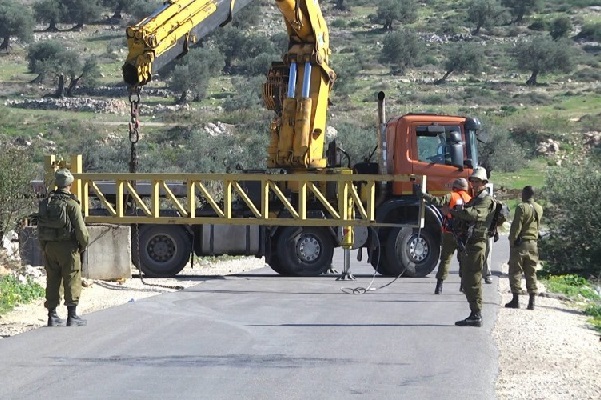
(262, 336)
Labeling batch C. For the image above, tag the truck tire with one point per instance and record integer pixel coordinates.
(411, 255)
(305, 251)
(164, 250)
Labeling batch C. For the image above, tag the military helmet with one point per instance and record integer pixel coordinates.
(460, 183)
(479, 173)
(63, 178)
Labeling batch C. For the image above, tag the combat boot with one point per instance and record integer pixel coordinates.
(531, 302)
(438, 289)
(73, 319)
(475, 319)
(54, 319)
(514, 303)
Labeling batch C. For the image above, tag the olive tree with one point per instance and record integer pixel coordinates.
(48, 12)
(401, 50)
(193, 75)
(560, 27)
(391, 11)
(543, 55)
(521, 8)
(484, 14)
(15, 21)
(463, 57)
(63, 67)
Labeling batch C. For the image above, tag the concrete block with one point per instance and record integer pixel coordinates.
(108, 256)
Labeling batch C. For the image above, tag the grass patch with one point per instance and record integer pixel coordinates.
(575, 286)
(13, 292)
(533, 175)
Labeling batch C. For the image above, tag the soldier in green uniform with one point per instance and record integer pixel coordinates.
(477, 216)
(457, 198)
(63, 236)
(523, 248)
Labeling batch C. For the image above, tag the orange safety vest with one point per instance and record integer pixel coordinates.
(457, 198)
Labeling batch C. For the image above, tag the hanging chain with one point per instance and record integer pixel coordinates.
(134, 137)
(134, 126)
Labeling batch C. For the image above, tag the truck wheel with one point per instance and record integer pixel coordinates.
(305, 251)
(164, 250)
(410, 254)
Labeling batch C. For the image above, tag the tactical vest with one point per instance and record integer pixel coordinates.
(457, 198)
(53, 221)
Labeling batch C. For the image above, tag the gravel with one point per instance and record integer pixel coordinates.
(549, 353)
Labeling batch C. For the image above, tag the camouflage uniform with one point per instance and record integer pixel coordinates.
(477, 217)
(523, 253)
(478, 214)
(61, 249)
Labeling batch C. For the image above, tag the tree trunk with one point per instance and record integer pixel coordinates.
(52, 27)
(477, 30)
(532, 80)
(72, 85)
(60, 90)
(443, 79)
(183, 98)
(4, 45)
(118, 11)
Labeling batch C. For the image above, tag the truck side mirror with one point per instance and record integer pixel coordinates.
(455, 146)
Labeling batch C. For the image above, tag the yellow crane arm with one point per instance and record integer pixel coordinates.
(297, 89)
(168, 33)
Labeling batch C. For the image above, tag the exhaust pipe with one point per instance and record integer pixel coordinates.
(382, 167)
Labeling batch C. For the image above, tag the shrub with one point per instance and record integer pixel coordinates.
(572, 220)
(13, 292)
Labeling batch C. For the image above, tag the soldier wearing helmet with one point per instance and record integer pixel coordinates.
(477, 216)
(63, 236)
(456, 199)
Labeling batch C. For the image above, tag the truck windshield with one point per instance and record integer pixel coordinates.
(431, 146)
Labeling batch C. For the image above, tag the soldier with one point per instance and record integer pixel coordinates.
(523, 248)
(457, 198)
(477, 215)
(63, 237)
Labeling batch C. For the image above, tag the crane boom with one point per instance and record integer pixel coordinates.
(297, 89)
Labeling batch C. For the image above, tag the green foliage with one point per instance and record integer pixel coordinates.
(500, 152)
(52, 61)
(402, 50)
(560, 27)
(521, 8)
(573, 219)
(571, 285)
(543, 55)
(392, 11)
(194, 74)
(538, 24)
(248, 95)
(358, 141)
(140, 9)
(590, 32)
(13, 292)
(80, 12)
(48, 11)
(463, 57)
(484, 14)
(346, 76)
(15, 21)
(16, 173)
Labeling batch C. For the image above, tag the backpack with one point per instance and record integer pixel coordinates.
(500, 215)
(53, 221)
